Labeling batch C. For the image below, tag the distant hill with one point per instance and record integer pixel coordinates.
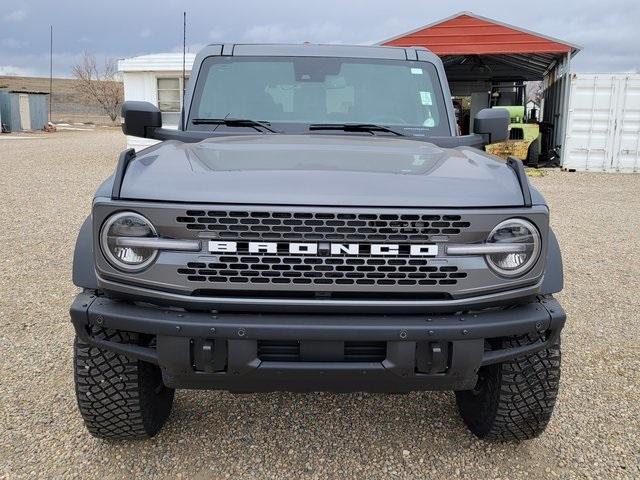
(67, 104)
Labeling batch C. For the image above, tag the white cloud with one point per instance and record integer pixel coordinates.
(194, 47)
(145, 33)
(217, 34)
(15, 16)
(13, 71)
(12, 43)
(280, 33)
(37, 65)
(191, 47)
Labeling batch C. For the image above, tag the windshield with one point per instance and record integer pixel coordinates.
(299, 91)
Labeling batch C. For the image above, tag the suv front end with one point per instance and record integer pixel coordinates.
(332, 315)
(300, 261)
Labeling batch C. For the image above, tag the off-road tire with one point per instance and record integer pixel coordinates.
(118, 397)
(513, 400)
(533, 154)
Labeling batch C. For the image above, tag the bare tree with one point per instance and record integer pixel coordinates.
(100, 86)
(534, 91)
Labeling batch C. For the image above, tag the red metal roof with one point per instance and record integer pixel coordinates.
(468, 34)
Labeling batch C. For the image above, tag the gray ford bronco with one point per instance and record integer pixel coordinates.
(316, 223)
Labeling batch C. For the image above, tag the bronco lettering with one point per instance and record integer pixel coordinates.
(340, 249)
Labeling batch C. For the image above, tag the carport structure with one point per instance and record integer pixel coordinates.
(479, 52)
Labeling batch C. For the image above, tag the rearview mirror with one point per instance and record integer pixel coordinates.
(493, 122)
(139, 119)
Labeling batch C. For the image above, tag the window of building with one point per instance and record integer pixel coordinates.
(170, 100)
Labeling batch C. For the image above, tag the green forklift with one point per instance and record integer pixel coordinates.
(524, 134)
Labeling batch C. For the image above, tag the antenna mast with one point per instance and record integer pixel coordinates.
(184, 62)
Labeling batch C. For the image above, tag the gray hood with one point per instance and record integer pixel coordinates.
(326, 170)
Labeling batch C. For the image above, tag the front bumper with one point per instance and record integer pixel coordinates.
(227, 351)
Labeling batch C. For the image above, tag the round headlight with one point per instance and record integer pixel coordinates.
(519, 233)
(123, 257)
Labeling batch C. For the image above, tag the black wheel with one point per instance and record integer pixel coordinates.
(119, 397)
(533, 154)
(513, 400)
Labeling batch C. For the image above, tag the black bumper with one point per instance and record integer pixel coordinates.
(315, 352)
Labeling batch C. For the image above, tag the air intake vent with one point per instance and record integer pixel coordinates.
(289, 351)
(365, 351)
(279, 350)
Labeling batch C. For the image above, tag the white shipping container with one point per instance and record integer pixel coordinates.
(603, 125)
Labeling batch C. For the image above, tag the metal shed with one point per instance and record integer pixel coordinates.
(23, 110)
(479, 52)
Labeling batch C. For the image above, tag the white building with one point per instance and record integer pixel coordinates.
(157, 79)
(530, 107)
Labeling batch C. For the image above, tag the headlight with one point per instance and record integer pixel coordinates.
(113, 241)
(520, 233)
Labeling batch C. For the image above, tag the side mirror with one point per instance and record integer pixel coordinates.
(493, 122)
(139, 119)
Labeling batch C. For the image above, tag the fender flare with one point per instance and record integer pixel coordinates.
(553, 280)
(84, 270)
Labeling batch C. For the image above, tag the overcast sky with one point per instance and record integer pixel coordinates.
(608, 31)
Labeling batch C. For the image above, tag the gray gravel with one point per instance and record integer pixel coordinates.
(45, 190)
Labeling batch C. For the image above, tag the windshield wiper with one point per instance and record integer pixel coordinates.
(355, 127)
(235, 122)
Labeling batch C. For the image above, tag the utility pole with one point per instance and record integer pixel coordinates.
(50, 68)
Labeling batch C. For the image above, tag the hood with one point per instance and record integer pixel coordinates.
(327, 170)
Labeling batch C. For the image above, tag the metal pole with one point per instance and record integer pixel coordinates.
(566, 94)
(184, 66)
(50, 68)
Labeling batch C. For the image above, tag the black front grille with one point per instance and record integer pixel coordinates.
(357, 227)
(289, 351)
(306, 270)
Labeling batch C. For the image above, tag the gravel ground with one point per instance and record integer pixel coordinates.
(46, 186)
